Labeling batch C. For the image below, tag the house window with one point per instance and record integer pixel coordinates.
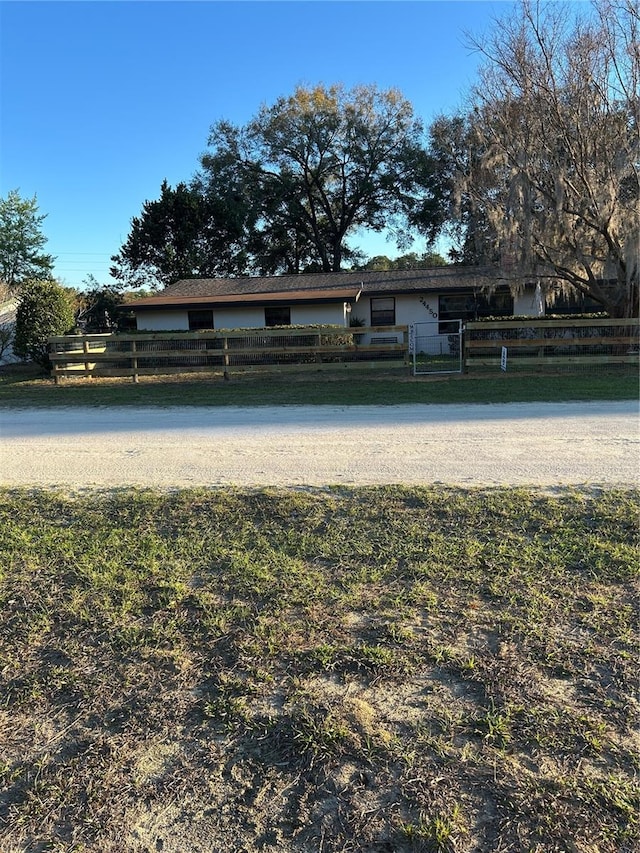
(200, 320)
(471, 305)
(278, 315)
(383, 311)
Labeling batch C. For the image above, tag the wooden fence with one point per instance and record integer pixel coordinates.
(148, 354)
(540, 343)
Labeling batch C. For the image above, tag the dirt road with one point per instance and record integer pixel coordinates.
(549, 444)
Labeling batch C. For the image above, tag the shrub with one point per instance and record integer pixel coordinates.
(44, 309)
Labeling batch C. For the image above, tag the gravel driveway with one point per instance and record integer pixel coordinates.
(534, 444)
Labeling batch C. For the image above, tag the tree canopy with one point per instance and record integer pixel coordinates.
(458, 155)
(22, 241)
(410, 261)
(288, 191)
(323, 163)
(544, 168)
(98, 306)
(186, 232)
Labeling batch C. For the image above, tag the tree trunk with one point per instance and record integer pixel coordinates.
(337, 257)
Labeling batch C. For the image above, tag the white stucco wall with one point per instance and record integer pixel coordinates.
(243, 318)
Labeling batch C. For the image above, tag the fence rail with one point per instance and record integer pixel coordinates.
(533, 344)
(551, 343)
(154, 353)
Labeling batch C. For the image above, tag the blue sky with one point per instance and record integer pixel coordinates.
(100, 101)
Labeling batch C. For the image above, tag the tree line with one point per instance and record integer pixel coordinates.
(538, 176)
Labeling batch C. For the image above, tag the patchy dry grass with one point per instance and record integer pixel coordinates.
(387, 669)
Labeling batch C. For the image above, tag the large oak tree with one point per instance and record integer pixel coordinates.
(321, 164)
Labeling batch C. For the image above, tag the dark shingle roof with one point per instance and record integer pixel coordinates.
(317, 287)
(371, 282)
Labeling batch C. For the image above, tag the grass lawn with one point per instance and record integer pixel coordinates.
(349, 387)
(382, 669)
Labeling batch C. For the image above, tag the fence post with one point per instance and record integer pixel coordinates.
(85, 350)
(134, 362)
(463, 341)
(53, 348)
(225, 349)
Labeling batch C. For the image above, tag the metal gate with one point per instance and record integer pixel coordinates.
(433, 352)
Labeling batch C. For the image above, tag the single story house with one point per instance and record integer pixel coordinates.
(439, 297)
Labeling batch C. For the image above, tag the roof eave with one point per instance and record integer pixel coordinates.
(256, 300)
